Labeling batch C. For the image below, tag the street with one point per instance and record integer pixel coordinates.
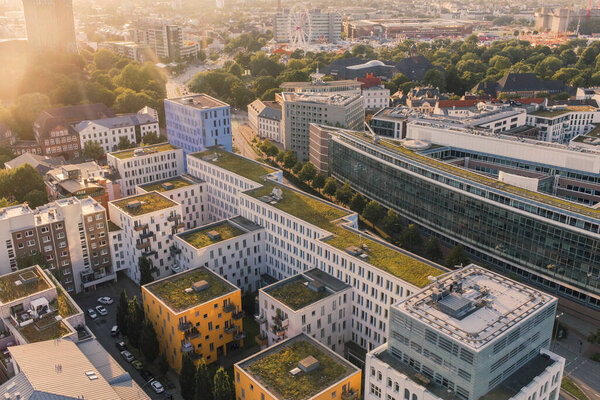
(242, 135)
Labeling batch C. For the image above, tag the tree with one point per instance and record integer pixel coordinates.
(149, 342)
(201, 56)
(93, 150)
(594, 337)
(357, 203)
(124, 143)
(202, 388)
(411, 239)
(330, 186)
(36, 198)
(269, 148)
(289, 159)
(373, 212)
(145, 270)
(319, 181)
(235, 69)
(26, 109)
(186, 377)
(222, 385)
(457, 256)
(130, 101)
(17, 183)
(344, 193)
(391, 223)
(135, 319)
(153, 138)
(123, 312)
(297, 167)
(435, 78)
(163, 364)
(308, 172)
(432, 250)
(105, 59)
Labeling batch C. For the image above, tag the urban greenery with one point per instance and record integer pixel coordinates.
(18, 184)
(186, 377)
(145, 267)
(199, 238)
(570, 386)
(296, 294)
(149, 202)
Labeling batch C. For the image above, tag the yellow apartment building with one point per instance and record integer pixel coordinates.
(195, 312)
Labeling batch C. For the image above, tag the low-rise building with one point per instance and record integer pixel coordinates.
(145, 165)
(147, 225)
(376, 97)
(232, 248)
(313, 303)
(195, 312)
(564, 122)
(297, 368)
(264, 117)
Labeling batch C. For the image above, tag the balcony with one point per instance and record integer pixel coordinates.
(192, 333)
(141, 227)
(142, 245)
(147, 234)
(229, 307)
(238, 315)
(180, 225)
(261, 340)
(149, 253)
(185, 326)
(260, 319)
(350, 395)
(174, 250)
(172, 217)
(230, 329)
(239, 336)
(278, 330)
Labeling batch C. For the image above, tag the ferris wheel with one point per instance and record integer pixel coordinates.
(300, 28)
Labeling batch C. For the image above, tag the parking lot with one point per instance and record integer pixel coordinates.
(102, 325)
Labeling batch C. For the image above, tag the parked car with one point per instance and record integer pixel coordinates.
(127, 356)
(146, 375)
(92, 313)
(105, 300)
(114, 331)
(157, 387)
(121, 345)
(101, 310)
(137, 364)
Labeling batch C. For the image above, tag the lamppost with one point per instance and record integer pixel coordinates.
(555, 329)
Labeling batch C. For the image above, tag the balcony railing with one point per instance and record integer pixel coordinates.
(239, 336)
(142, 245)
(141, 227)
(238, 315)
(261, 340)
(185, 326)
(230, 329)
(192, 333)
(172, 217)
(260, 319)
(229, 307)
(180, 225)
(174, 250)
(149, 253)
(147, 234)
(350, 395)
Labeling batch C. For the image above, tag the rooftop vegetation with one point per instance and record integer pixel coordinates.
(10, 291)
(199, 237)
(236, 164)
(46, 328)
(296, 294)
(177, 182)
(149, 202)
(273, 370)
(157, 148)
(112, 227)
(64, 305)
(171, 290)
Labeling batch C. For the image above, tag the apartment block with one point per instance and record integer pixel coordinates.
(560, 124)
(326, 25)
(197, 122)
(233, 248)
(472, 334)
(70, 236)
(264, 117)
(144, 225)
(145, 165)
(195, 312)
(187, 191)
(163, 38)
(313, 303)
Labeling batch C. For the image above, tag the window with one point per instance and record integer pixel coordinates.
(375, 390)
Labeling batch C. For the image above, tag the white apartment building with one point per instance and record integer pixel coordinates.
(326, 26)
(560, 124)
(300, 236)
(299, 110)
(147, 225)
(318, 85)
(187, 191)
(472, 334)
(376, 97)
(70, 235)
(132, 50)
(311, 302)
(264, 117)
(109, 131)
(163, 38)
(144, 165)
(232, 248)
(197, 122)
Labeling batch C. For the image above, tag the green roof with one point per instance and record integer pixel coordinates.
(272, 369)
(200, 237)
(148, 202)
(156, 148)
(46, 328)
(549, 113)
(10, 291)
(171, 290)
(177, 182)
(295, 294)
(112, 227)
(239, 165)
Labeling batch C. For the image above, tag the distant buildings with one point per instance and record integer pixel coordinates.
(264, 117)
(520, 85)
(413, 67)
(42, 164)
(132, 50)
(198, 121)
(50, 25)
(412, 28)
(164, 39)
(375, 95)
(320, 86)
(561, 123)
(325, 26)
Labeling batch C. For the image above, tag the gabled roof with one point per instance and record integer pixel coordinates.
(65, 116)
(117, 122)
(525, 82)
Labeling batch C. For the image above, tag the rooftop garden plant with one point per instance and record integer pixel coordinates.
(10, 291)
(149, 202)
(296, 294)
(199, 238)
(150, 149)
(236, 164)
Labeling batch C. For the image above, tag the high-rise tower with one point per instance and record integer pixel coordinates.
(50, 25)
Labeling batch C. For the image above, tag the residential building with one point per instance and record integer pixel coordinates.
(316, 373)
(63, 369)
(299, 110)
(109, 131)
(472, 334)
(50, 26)
(318, 85)
(195, 312)
(7, 136)
(313, 303)
(413, 28)
(326, 26)
(562, 123)
(70, 236)
(197, 122)
(319, 148)
(232, 248)
(264, 117)
(187, 191)
(163, 38)
(375, 95)
(132, 50)
(143, 165)
(42, 164)
(26, 147)
(467, 206)
(145, 226)
(592, 93)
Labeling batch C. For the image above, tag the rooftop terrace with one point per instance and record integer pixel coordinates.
(200, 101)
(21, 284)
(231, 162)
(211, 234)
(46, 328)
(144, 203)
(271, 368)
(142, 151)
(176, 182)
(172, 290)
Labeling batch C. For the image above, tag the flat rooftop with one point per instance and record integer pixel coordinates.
(211, 234)
(172, 289)
(144, 203)
(22, 283)
(310, 84)
(337, 99)
(556, 112)
(271, 368)
(143, 151)
(302, 290)
(177, 182)
(232, 162)
(200, 101)
(474, 305)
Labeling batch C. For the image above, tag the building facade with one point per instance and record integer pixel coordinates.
(264, 117)
(50, 25)
(326, 26)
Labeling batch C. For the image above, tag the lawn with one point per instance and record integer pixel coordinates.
(52, 331)
(9, 291)
(570, 386)
(177, 183)
(154, 149)
(251, 329)
(149, 202)
(236, 164)
(199, 238)
(65, 307)
(295, 294)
